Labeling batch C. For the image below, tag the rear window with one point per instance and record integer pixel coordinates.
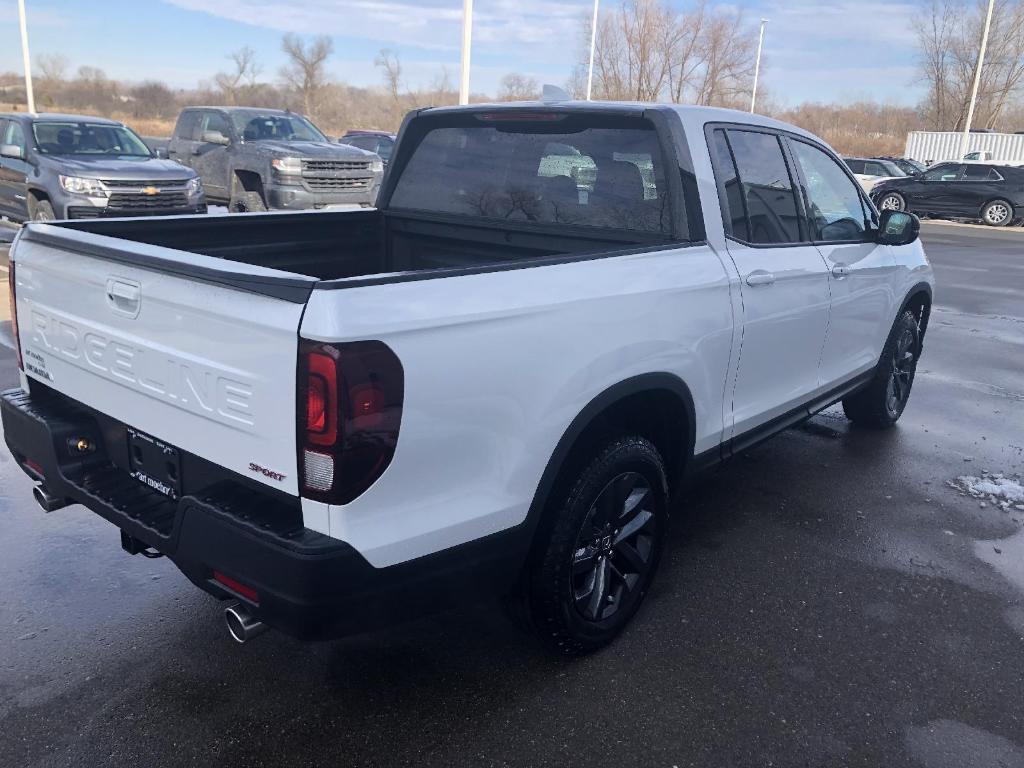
(613, 178)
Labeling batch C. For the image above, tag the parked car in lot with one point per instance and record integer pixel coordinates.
(869, 171)
(905, 164)
(78, 167)
(261, 159)
(992, 193)
(379, 142)
(495, 383)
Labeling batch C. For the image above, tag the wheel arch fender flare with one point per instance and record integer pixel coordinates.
(655, 382)
(910, 299)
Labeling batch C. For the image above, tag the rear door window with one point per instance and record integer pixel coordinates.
(607, 177)
(767, 187)
(981, 173)
(857, 166)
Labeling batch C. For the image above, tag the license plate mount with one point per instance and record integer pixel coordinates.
(154, 463)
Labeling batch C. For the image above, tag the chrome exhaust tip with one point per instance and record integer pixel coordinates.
(46, 500)
(242, 625)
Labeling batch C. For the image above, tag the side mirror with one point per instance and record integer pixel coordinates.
(215, 137)
(161, 153)
(898, 228)
(12, 150)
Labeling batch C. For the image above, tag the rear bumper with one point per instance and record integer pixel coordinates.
(308, 585)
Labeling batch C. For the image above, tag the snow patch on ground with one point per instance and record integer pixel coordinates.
(997, 489)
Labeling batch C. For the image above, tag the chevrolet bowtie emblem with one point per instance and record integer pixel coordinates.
(150, 191)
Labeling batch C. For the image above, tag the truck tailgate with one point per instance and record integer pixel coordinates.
(197, 352)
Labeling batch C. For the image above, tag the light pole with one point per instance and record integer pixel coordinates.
(757, 65)
(593, 41)
(977, 80)
(26, 60)
(467, 42)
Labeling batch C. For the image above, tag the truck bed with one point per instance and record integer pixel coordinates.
(337, 245)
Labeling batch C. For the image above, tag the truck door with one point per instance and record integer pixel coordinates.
(783, 278)
(14, 171)
(210, 158)
(185, 138)
(861, 272)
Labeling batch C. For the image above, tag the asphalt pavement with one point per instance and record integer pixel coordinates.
(826, 600)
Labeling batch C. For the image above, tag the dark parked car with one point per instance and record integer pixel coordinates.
(992, 193)
(905, 164)
(258, 159)
(379, 142)
(77, 167)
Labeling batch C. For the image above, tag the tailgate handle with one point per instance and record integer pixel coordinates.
(124, 297)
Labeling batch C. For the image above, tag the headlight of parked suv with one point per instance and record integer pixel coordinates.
(287, 165)
(377, 165)
(195, 186)
(79, 186)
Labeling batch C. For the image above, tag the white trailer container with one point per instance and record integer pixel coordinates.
(935, 146)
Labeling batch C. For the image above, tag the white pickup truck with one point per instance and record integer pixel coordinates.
(495, 383)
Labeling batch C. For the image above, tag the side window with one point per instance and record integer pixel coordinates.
(15, 135)
(944, 172)
(384, 149)
(767, 187)
(857, 166)
(3, 130)
(980, 173)
(214, 121)
(875, 169)
(835, 207)
(186, 127)
(734, 217)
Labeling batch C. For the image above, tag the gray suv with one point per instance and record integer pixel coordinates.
(77, 167)
(258, 159)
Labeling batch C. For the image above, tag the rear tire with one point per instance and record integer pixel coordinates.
(247, 202)
(595, 559)
(881, 403)
(997, 213)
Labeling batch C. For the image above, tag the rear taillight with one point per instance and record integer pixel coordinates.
(11, 286)
(350, 409)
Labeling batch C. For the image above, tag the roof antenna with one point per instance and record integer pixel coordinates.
(552, 94)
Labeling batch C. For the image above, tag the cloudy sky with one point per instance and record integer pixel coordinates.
(843, 49)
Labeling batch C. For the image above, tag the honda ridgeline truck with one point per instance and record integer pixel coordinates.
(494, 383)
(269, 159)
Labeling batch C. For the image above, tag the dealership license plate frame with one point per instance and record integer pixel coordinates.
(154, 463)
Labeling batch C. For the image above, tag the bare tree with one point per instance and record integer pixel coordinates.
(517, 87)
(949, 37)
(306, 71)
(391, 65)
(242, 79)
(648, 51)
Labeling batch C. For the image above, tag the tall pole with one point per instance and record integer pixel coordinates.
(593, 42)
(26, 60)
(977, 80)
(467, 42)
(757, 65)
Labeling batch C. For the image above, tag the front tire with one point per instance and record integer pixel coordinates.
(881, 403)
(599, 552)
(892, 201)
(998, 213)
(247, 202)
(43, 211)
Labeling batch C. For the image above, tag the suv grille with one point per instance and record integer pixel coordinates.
(317, 167)
(329, 184)
(116, 184)
(126, 201)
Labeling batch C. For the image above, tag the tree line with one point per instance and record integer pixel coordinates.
(646, 50)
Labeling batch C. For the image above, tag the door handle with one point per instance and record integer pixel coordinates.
(840, 270)
(760, 277)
